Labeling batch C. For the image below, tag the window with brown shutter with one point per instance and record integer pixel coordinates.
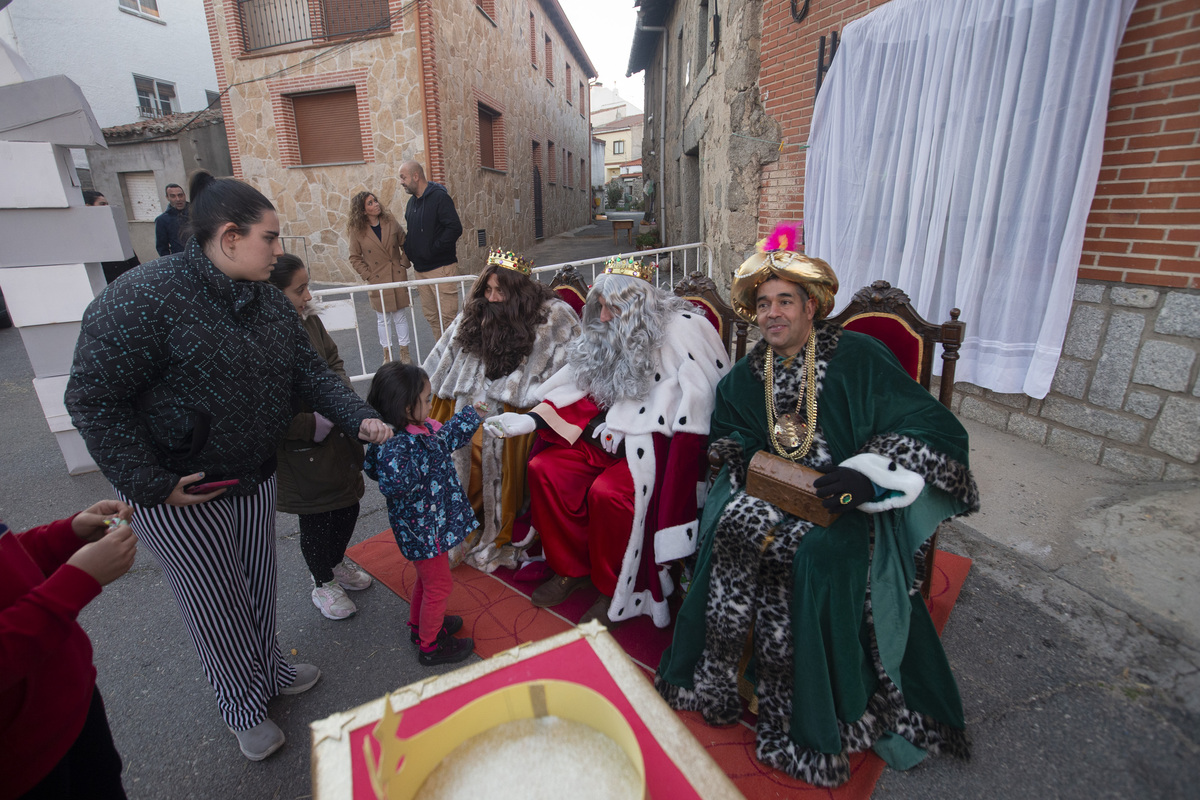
(533, 43)
(327, 129)
(487, 149)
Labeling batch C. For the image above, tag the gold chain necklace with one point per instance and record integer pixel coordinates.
(786, 431)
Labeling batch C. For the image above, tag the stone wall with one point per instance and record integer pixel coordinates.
(718, 136)
(1126, 394)
(488, 60)
(475, 54)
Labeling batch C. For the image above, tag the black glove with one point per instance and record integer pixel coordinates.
(844, 489)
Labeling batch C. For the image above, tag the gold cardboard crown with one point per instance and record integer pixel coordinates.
(633, 267)
(510, 260)
(404, 763)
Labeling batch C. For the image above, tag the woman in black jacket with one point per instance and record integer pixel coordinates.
(184, 372)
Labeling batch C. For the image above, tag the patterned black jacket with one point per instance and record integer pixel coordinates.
(180, 369)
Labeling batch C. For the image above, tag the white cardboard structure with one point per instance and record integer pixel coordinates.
(51, 244)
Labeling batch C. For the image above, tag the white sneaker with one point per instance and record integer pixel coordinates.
(351, 576)
(332, 601)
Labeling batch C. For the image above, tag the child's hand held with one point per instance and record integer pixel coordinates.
(509, 424)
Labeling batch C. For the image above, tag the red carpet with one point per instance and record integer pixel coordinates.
(497, 613)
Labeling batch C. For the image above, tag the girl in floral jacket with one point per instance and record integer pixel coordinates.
(428, 510)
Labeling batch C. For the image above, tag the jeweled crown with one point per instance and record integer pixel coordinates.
(633, 267)
(510, 260)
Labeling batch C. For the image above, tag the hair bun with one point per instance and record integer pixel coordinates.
(201, 180)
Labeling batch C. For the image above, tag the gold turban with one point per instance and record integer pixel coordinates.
(813, 275)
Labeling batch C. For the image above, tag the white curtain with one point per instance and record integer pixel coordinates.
(954, 152)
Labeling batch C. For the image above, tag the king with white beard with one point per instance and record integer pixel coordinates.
(615, 507)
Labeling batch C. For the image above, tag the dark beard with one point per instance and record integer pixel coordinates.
(501, 347)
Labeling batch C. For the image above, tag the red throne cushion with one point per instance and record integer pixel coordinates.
(896, 334)
(710, 314)
(572, 296)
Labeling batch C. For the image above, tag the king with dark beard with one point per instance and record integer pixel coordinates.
(643, 376)
(510, 337)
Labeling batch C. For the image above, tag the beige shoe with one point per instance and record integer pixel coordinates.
(387, 355)
(404, 356)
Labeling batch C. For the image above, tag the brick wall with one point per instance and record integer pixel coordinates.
(788, 82)
(1144, 226)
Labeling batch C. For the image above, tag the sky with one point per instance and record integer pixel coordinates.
(606, 29)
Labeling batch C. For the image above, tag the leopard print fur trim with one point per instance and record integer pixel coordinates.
(677, 697)
(920, 560)
(788, 385)
(729, 451)
(937, 468)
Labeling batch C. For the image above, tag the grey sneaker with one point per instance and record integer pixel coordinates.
(351, 576)
(307, 676)
(260, 741)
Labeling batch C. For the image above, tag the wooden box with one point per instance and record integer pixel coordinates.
(787, 485)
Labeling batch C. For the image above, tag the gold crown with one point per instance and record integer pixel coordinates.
(633, 267)
(510, 260)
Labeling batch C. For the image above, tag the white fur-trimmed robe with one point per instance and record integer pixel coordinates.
(458, 376)
(688, 366)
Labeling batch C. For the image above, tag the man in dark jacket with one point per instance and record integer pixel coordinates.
(168, 226)
(433, 229)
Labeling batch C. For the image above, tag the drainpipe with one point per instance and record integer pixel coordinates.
(662, 121)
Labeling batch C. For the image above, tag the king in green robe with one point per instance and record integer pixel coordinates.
(845, 655)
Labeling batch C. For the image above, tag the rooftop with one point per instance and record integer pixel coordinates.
(169, 124)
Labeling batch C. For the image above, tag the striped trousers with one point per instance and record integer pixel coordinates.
(219, 559)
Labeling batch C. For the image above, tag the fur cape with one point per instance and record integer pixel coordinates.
(458, 376)
(690, 362)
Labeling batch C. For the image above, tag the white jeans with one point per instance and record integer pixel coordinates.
(400, 320)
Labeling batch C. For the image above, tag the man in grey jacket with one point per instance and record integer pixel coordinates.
(433, 229)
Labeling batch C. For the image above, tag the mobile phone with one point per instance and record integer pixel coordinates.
(205, 488)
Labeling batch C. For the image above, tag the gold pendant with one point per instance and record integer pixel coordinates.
(789, 431)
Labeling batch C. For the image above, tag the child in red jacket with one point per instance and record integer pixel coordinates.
(54, 735)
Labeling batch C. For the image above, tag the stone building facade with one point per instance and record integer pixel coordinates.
(490, 96)
(156, 151)
(729, 109)
(707, 133)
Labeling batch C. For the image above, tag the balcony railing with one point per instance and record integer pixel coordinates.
(348, 17)
(271, 23)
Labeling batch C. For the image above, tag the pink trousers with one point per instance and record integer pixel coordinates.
(429, 596)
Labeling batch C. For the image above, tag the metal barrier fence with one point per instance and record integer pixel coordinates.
(675, 263)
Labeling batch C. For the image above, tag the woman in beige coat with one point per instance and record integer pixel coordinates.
(376, 253)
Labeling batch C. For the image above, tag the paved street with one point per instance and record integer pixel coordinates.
(1075, 640)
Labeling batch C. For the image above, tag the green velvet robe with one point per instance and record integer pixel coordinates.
(865, 393)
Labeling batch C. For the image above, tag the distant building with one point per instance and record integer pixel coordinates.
(622, 143)
(597, 162)
(608, 106)
(133, 59)
(144, 156)
(329, 98)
